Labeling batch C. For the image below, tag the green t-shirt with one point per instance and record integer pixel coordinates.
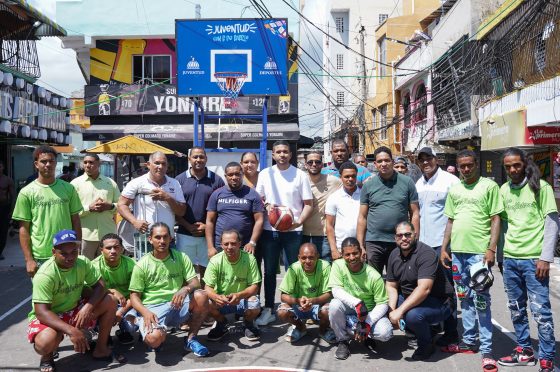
(388, 204)
(60, 288)
(471, 207)
(525, 233)
(367, 284)
(297, 283)
(226, 277)
(116, 277)
(159, 280)
(48, 208)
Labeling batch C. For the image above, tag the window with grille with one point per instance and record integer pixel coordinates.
(340, 61)
(383, 122)
(340, 98)
(339, 22)
(383, 17)
(151, 69)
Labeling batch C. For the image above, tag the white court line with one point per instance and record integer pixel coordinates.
(504, 330)
(9, 312)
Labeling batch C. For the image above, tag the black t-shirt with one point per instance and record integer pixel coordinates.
(421, 263)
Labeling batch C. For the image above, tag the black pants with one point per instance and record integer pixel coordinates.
(378, 254)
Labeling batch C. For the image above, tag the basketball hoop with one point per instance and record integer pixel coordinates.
(230, 83)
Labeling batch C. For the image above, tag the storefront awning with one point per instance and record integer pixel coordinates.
(184, 132)
(129, 145)
(47, 27)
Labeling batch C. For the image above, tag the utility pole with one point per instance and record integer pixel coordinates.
(364, 93)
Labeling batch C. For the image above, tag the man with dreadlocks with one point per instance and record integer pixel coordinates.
(532, 227)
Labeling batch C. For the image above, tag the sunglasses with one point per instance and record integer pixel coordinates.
(406, 235)
(311, 162)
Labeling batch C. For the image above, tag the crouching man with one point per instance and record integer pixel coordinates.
(359, 308)
(232, 281)
(306, 295)
(164, 290)
(68, 298)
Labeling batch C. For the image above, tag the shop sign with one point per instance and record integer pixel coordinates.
(503, 131)
(30, 111)
(544, 135)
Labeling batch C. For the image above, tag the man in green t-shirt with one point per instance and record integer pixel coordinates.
(232, 281)
(472, 207)
(165, 292)
(530, 239)
(69, 297)
(306, 295)
(116, 271)
(44, 207)
(359, 308)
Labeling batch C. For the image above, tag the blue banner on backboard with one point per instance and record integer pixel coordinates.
(210, 50)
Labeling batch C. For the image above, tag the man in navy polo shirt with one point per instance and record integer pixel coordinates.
(234, 206)
(197, 183)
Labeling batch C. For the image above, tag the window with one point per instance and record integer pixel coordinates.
(339, 22)
(383, 122)
(421, 103)
(340, 98)
(340, 61)
(382, 45)
(151, 69)
(383, 17)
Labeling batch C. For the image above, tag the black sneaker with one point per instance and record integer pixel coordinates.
(448, 338)
(218, 332)
(252, 333)
(343, 350)
(423, 352)
(519, 357)
(125, 338)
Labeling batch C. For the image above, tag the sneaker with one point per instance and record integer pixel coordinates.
(460, 348)
(218, 332)
(343, 350)
(519, 357)
(252, 333)
(196, 347)
(329, 336)
(125, 338)
(448, 338)
(266, 317)
(423, 352)
(294, 334)
(546, 365)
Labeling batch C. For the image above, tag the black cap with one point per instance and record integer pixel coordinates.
(427, 151)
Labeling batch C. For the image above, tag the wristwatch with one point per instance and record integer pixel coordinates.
(253, 243)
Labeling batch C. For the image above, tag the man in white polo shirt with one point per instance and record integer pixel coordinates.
(342, 209)
(155, 198)
(432, 190)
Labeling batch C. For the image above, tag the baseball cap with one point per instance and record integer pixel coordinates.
(65, 236)
(401, 159)
(427, 151)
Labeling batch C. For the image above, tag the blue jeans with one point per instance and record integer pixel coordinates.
(430, 311)
(241, 307)
(322, 244)
(167, 316)
(522, 284)
(474, 305)
(271, 245)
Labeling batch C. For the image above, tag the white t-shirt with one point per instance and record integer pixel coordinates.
(431, 198)
(155, 210)
(345, 208)
(288, 188)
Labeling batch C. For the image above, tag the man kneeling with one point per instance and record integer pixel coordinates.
(164, 290)
(63, 305)
(232, 281)
(356, 288)
(306, 294)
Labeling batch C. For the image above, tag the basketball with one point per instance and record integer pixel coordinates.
(281, 218)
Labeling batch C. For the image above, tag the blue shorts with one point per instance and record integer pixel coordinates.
(167, 316)
(125, 325)
(311, 314)
(241, 307)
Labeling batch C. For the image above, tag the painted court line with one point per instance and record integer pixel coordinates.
(504, 330)
(13, 309)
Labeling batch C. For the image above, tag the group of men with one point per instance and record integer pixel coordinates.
(424, 236)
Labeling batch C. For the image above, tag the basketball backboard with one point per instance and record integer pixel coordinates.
(256, 48)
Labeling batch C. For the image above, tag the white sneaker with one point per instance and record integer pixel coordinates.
(266, 317)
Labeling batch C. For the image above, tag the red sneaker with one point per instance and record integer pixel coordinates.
(519, 357)
(546, 365)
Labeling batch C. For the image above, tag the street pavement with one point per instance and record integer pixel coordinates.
(234, 350)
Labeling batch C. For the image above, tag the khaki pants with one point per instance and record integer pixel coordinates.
(89, 248)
